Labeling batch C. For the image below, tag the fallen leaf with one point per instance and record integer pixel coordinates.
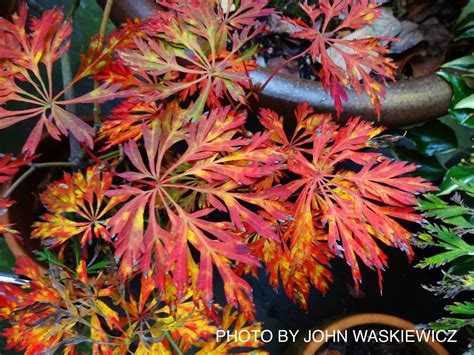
(408, 38)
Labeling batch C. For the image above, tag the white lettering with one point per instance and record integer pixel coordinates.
(452, 333)
(220, 334)
(269, 338)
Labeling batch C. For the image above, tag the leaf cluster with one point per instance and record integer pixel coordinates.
(173, 192)
(451, 233)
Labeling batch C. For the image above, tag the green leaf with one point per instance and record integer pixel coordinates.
(47, 255)
(448, 239)
(466, 187)
(450, 214)
(458, 221)
(466, 35)
(7, 260)
(465, 174)
(461, 89)
(99, 265)
(451, 323)
(462, 308)
(428, 167)
(463, 117)
(445, 238)
(195, 112)
(442, 258)
(433, 138)
(465, 63)
(466, 19)
(466, 103)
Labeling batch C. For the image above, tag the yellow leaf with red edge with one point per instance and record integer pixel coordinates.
(82, 272)
(77, 207)
(110, 316)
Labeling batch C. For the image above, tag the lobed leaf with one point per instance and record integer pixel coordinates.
(77, 207)
(344, 197)
(213, 173)
(359, 57)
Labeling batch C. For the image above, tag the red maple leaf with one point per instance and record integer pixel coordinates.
(343, 194)
(359, 57)
(126, 121)
(188, 52)
(28, 55)
(10, 165)
(173, 202)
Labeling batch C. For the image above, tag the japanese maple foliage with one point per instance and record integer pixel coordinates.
(171, 192)
(9, 166)
(359, 57)
(189, 53)
(28, 54)
(336, 211)
(77, 206)
(214, 173)
(71, 307)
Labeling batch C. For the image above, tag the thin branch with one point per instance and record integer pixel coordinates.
(103, 27)
(75, 150)
(74, 145)
(105, 18)
(31, 170)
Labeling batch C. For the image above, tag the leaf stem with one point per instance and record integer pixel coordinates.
(77, 249)
(275, 72)
(31, 170)
(172, 342)
(105, 18)
(73, 8)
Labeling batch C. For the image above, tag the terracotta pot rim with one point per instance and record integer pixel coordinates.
(355, 320)
(13, 242)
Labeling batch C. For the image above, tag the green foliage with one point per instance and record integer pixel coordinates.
(7, 260)
(433, 138)
(465, 23)
(451, 211)
(455, 176)
(453, 322)
(451, 234)
(461, 90)
(436, 145)
(460, 72)
(445, 238)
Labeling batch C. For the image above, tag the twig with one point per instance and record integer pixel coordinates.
(31, 170)
(75, 150)
(281, 66)
(103, 27)
(105, 18)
